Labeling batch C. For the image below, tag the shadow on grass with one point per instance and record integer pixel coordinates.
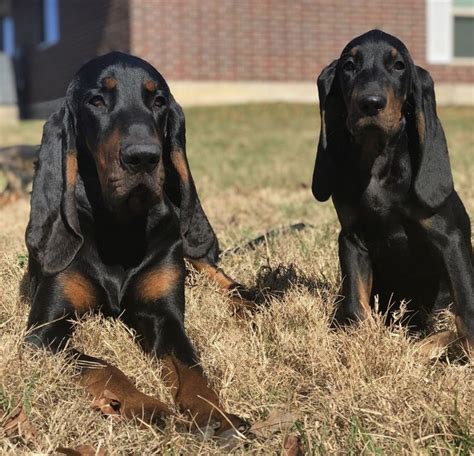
(274, 283)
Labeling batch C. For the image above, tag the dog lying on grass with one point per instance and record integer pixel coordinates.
(114, 213)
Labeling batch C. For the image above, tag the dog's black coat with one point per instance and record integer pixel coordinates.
(114, 212)
(382, 156)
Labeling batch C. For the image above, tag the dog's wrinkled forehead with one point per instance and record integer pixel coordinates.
(115, 70)
(374, 43)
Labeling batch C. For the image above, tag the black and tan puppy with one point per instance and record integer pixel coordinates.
(383, 158)
(114, 213)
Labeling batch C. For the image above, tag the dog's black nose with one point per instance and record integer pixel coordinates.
(140, 157)
(372, 104)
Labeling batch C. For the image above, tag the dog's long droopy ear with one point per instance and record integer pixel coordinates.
(331, 107)
(199, 239)
(433, 181)
(53, 235)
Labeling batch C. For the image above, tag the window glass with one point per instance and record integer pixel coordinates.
(463, 3)
(463, 36)
(50, 24)
(7, 35)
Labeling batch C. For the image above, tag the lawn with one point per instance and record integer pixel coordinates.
(366, 390)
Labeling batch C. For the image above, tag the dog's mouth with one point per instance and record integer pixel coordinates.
(383, 124)
(132, 198)
(140, 199)
(131, 194)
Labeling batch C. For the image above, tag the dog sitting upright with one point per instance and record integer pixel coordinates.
(383, 158)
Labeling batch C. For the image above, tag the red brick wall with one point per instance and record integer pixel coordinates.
(270, 39)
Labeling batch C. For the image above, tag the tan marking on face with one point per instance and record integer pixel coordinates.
(71, 169)
(393, 53)
(159, 175)
(108, 156)
(388, 119)
(420, 126)
(149, 85)
(364, 288)
(78, 290)
(392, 113)
(159, 282)
(109, 83)
(179, 161)
(353, 51)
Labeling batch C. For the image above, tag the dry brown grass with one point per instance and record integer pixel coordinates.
(364, 391)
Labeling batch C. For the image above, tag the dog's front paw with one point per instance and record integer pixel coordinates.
(347, 315)
(145, 408)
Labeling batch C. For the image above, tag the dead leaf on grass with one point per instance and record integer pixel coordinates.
(17, 424)
(278, 421)
(82, 450)
(292, 446)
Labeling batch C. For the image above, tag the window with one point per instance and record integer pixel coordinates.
(7, 35)
(450, 31)
(50, 23)
(463, 12)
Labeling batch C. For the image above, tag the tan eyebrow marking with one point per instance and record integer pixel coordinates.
(149, 85)
(393, 52)
(353, 51)
(109, 83)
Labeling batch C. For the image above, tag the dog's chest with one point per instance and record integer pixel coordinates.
(376, 208)
(379, 206)
(377, 201)
(388, 233)
(377, 211)
(386, 193)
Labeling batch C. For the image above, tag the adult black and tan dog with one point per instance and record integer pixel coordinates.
(382, 156)
(114, 213)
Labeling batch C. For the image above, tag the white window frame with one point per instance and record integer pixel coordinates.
(440, 32)
(50, 17)
(8, 31)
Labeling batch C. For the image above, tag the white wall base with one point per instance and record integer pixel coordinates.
(212, 93)
(206, 93)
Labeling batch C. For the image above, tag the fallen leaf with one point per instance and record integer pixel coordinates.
(17, 424)
(278, 421)
(292, 446)
(82, 450)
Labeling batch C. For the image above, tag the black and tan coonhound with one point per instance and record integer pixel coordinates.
(382, 156)
(114, 214)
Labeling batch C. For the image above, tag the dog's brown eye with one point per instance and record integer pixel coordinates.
(349, 66)
(159, 101)
(97, 101)
(399, 65)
